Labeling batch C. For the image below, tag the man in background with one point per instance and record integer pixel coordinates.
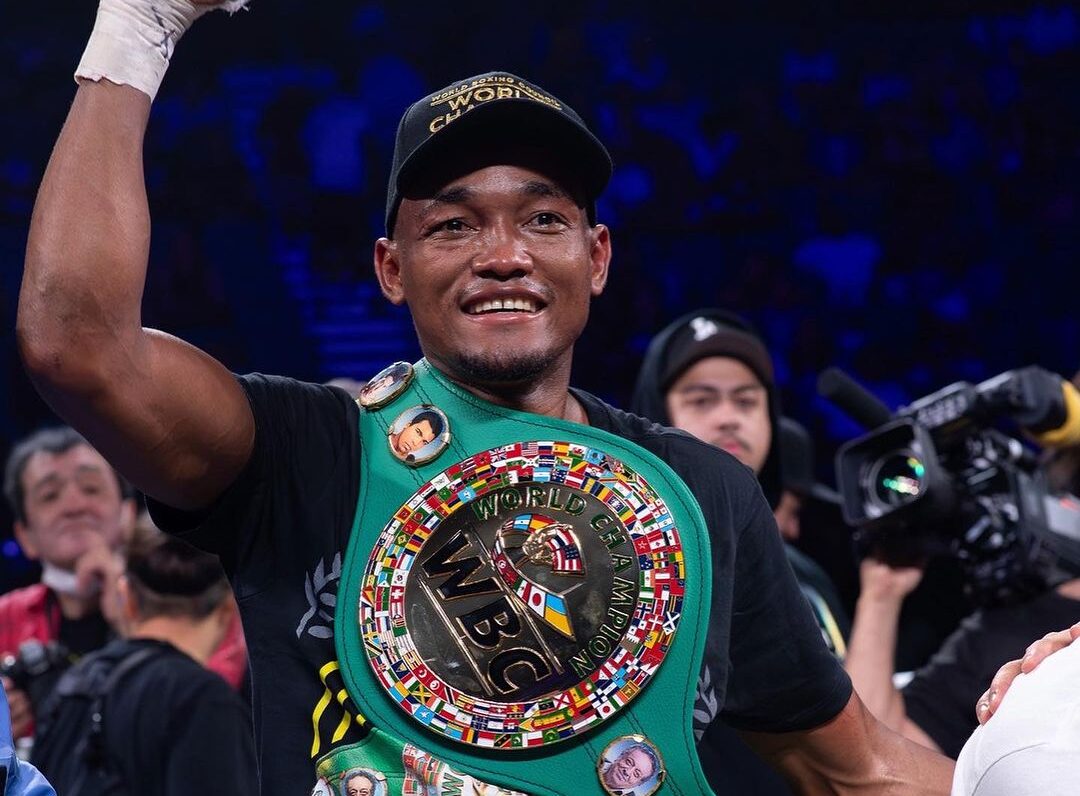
(165, 724)
(710, 374)
(73, 514)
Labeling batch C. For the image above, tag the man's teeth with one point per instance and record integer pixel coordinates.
(503, 305)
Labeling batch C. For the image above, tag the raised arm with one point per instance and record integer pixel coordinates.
(169, 416)
(854, 754)
(871, 650)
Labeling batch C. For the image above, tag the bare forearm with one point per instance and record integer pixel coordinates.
(871, 655)
(856, 755)
(906, 767)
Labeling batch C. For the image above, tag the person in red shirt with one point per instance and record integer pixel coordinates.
(73, 514)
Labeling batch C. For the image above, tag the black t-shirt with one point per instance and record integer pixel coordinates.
(729, 764)
(941, 697)
(83, 635)
(172, 727)
(282, 528)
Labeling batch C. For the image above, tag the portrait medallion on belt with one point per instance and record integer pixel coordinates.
(419, 434)
(524, 595)
(631, 765)
(386, 385)
(363, 782)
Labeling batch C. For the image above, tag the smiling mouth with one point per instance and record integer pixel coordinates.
(502, 305)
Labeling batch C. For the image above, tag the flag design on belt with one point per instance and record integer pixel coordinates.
(543, 541)
(655, 561)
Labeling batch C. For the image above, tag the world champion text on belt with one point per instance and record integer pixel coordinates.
(523, 595)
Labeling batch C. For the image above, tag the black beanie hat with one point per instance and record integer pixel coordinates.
(694, 336)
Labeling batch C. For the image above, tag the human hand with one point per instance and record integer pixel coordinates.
(1049, 644)
(98, 572)
(882, 582)
(22, 714)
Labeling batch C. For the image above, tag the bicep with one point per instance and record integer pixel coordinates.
(168, 416)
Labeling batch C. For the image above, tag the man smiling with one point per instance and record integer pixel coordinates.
(492, 243)
(632, 768)
(73, 513)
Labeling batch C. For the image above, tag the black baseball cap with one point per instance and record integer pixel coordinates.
(483, 115)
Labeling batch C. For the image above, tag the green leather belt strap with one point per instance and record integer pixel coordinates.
(662, 711)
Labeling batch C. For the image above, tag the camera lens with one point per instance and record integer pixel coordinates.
(897, 478)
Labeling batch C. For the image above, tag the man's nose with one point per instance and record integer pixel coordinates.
(724, 415)
(504, 255)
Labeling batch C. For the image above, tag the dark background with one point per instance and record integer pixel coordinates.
(892, 190)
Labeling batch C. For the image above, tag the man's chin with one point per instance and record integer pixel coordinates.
(502, 369)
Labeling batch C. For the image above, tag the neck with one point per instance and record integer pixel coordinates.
(196, 639)
(548, 395)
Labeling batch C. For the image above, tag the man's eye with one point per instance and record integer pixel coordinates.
(449, 225)
(547, 219)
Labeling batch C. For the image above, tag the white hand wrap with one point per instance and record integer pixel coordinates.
(133, 40)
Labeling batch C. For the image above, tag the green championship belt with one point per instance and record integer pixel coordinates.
(523, 605)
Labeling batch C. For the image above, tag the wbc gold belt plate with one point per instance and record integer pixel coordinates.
(523, 595)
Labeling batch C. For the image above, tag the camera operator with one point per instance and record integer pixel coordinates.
(73, 514)
(934, 708)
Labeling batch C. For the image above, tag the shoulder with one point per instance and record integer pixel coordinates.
(23, 616)
(299, 421)
(29, 598)
(294, 396)
(173, 676)
(1032, 734)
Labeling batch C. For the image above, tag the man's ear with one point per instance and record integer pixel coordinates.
(25, 537)
(599, 257)
(388, 271)
(129, 606)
